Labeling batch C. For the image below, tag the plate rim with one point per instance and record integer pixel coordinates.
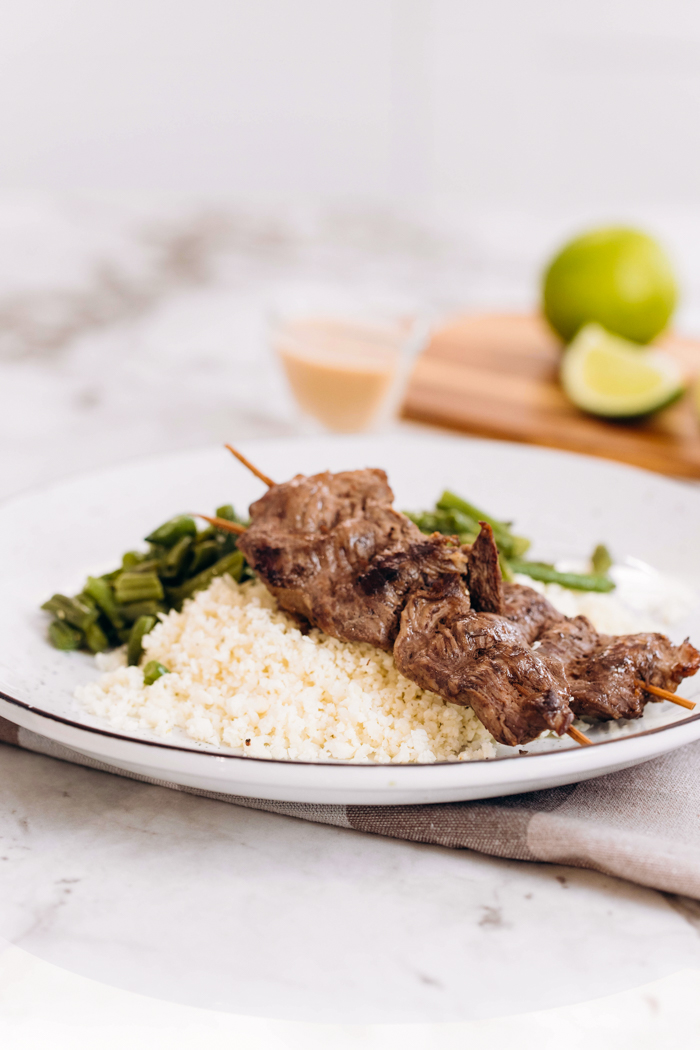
(332, 763)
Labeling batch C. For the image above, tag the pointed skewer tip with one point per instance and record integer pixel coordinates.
(246, 463)
(222, 523)
(579, 737)
(665, 694)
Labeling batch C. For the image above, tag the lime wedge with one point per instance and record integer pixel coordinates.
(609, 376)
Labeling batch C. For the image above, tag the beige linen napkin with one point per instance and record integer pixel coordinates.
(641, 824)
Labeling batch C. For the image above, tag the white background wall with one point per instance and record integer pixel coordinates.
(498, 104)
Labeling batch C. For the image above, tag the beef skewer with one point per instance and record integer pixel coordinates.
(336, 554)
(333, 550)
(509, 653)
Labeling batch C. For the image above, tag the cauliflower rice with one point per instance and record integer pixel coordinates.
(244, 677)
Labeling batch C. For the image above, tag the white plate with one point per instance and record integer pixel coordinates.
(51, 539)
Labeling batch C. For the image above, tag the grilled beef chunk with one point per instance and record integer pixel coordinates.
(484, 573)
(480, 659)
(529, 609)
(599, 670)
(603, 684)
(332, 549)
(563, 641)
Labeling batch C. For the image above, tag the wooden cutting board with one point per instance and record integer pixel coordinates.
(496, 375)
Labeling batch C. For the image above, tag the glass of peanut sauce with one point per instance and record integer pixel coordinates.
(347, 372)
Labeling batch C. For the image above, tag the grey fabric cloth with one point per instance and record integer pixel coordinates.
(642, 824)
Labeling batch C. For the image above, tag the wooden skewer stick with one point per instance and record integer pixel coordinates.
(665, 694)
(254, 470)
(579, 737)
(223, 523)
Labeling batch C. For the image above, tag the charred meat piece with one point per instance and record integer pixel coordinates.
(603, 685)
(599, 670)
(529, 609)
(332, 549)
(484, 573)
(480, 659)
(564, 642)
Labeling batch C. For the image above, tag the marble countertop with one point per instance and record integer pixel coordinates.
(131, 329)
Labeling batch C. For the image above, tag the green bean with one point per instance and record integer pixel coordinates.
(138, 587)
(575, 581)
(203, 555)
(230, 563)
(110, 577)
(506, 569)
(133, 558)
(451, 501)
(507, 542)
(167, 535)
(149, 564)
(63, 636)
(601, 560)
(226, 512)
(153, 671)
(80, 611)
(132, 610)
(444, 522)
(175, 561)
(449, 523)
(142, 627)
(226, 541)
(100, 591)
(96, 639)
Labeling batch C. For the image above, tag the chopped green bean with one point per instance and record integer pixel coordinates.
(100, 591)
(226, 542)
(230, 563)
(138, 587)
(153, 671)
(167, 535)
(573, 580)
(133, 610)
(601, 561)
(203, 555)
(142, 627)
(449, 523)
(226, 512)
(175, 561)
(63, 636)
(96, 639)
(507, 542)
(110, 577)
(80, 611)
(506, 569)
(451, 501)
(133, 558)
(149, 564)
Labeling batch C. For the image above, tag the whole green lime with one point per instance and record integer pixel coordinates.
(620, 278)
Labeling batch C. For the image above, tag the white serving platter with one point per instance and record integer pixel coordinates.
(52, 538)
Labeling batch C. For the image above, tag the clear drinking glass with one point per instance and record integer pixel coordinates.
(347, 367)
